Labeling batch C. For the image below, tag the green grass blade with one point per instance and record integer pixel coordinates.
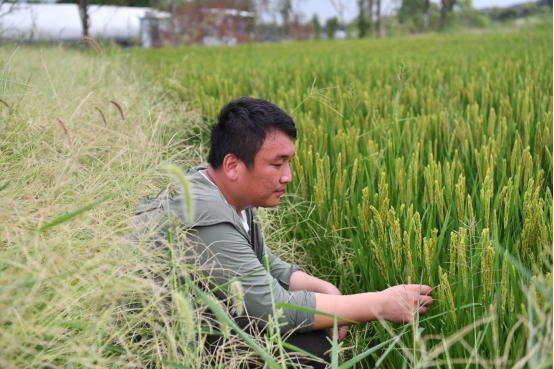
(10, 158)
(335, 348)
(64, 218)
(366, 353)
(393, 343)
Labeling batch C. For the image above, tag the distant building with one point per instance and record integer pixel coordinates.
(61, 22)
(214, 26)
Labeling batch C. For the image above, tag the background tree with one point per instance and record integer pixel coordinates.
(412, 11)
(445, 4)
(289, 11)
(370, 21)
(362, 21)
(331, 26)
(84, 7)
(380, 24)
(83, 13)
(340, 8)
(285, 9)
(7, 6)
(317, 27)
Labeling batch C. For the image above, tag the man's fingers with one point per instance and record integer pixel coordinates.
(423, 310)
(425, 300)
(426, 290)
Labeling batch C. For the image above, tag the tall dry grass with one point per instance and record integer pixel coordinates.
(67, 290)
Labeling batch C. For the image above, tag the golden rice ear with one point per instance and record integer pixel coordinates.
(93, 42)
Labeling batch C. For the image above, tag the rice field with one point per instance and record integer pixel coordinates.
(424, 159)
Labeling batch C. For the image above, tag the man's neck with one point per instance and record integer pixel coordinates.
(220, 182)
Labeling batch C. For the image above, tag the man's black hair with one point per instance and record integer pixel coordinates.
(242, 126)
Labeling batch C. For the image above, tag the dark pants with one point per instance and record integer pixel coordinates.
(315, 343)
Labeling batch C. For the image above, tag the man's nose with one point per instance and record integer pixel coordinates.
(287, 175)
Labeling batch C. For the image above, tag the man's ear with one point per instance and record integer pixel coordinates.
(230, 166)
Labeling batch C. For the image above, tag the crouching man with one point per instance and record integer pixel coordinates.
(249, 167)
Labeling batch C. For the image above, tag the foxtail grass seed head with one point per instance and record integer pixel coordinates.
(101, 114)
(237, 295)
(5, 103)
(65, 132)
(184, 310)
(119, 108)
(93, 42)
(178, 174)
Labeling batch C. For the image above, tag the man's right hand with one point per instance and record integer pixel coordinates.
(398, 304)
(401, 303)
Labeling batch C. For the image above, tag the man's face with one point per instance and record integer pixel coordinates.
(265, 182)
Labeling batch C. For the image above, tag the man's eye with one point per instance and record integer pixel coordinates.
(277, 165)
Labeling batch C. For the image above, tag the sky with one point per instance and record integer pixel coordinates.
(325, 9)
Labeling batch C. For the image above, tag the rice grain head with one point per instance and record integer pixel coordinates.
(448, 293)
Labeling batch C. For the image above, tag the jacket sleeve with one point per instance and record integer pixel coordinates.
(280, 270)
(225, 254)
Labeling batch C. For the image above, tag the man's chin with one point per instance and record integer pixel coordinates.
(270, 204)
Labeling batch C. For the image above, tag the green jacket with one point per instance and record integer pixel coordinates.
(223, 249)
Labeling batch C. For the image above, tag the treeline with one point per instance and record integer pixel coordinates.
(277, 20)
